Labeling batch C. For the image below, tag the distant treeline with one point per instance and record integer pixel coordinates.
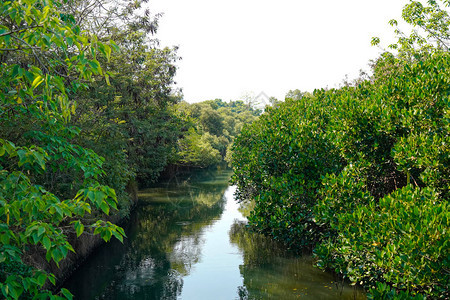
(209, 130)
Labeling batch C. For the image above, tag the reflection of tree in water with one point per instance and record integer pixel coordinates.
(257, 248)
(270, 271)
(165, 240)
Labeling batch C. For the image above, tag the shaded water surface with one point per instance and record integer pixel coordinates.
(187, 240)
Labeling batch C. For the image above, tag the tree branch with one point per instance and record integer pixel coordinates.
(19, 30)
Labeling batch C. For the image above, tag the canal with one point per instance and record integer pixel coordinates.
(187, 239)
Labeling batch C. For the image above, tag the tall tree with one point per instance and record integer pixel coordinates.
(430, 31)
(133, 113)
(41, 50)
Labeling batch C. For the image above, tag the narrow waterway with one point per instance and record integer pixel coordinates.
(187, 240)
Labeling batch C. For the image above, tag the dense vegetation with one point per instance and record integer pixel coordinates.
(361, 173)
(87, 109)
(209, 130)
(50, 186)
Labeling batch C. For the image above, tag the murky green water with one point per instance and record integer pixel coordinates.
(187, 240)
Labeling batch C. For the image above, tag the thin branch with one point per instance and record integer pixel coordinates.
(19, 30)
(19, 49)
(86, 11)
(34, 53)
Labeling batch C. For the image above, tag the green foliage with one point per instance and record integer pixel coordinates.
(430, 19)
(211, 121)
(41, 50)
(195, 149)
(279, 161)
(402, 240)
(384, 291)
(364, 170)
(130, 121)
(341, 193)
(209, 130)
(296, 94)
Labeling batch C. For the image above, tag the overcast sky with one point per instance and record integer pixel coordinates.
(231, 48)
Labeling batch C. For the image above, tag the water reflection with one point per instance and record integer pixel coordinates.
(188, 240)
(164, 242)
(272, 272)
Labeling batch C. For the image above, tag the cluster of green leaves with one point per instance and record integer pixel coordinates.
(279, 161)
(361, 173)
(209, 128)
(130, 121)
(42, 51)
(388, 208)
(430, 23)
(400, 240)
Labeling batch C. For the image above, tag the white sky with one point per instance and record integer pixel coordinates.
(230, 48)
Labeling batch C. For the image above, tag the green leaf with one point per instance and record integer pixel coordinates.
(13, 292)
(22, 157)
(29, 76)
(95, 66)
(66, 293)
(47, 243)
(104, 207)
(41, 230)
(79, 228)
(64, 250)
(118, 236)
(114, 46)
(108, 52)
(57, 255)
(52, 279)
(106, 234)
(41, 279)
(99, 197)
(69, 40)
(121, 231)
(37, 81)
(36, 237)
(15, 71)
(40, 159)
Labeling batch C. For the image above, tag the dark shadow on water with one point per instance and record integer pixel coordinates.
(270, 271)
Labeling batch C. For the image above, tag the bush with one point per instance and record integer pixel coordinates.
(402, 240)
(279, 161)
(363, 169)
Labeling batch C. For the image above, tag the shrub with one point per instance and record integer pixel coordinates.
(279, 161)
(402, 240)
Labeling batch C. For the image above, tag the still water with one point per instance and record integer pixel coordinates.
(187, 240)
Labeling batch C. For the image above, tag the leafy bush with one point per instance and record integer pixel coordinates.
(402, 240)
(279, 161)
(364, 170)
